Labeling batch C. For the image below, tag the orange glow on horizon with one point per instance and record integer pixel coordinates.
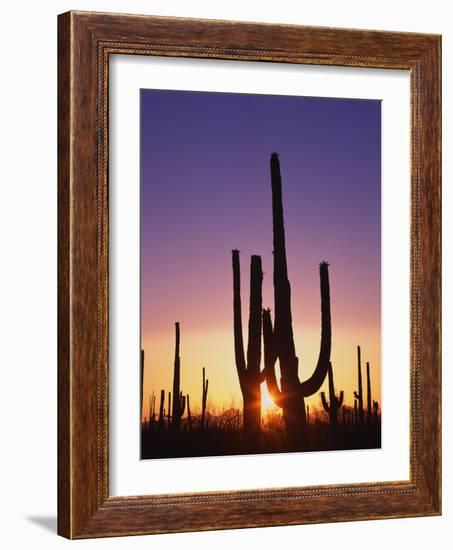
(214, 350)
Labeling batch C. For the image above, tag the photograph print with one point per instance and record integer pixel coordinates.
(260, 220)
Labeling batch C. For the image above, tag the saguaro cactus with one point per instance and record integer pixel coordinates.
(162, 411)
(189, 415)
(204, 397)
(182, 404)
(335, 403)
(178, 399)
(249, 374)
(152, 404)
(142, 368)
(279, 340)
(369, 416)
(169, 409)
(359, 393)
(376, 410)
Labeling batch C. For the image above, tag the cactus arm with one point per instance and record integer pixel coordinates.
(270, 358)
(324, 402)
(312, 384)
(340, 399)
(359, 370)
(254, 328)
(331, 384)
(237, 318)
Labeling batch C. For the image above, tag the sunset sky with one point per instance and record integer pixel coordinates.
(205, 189)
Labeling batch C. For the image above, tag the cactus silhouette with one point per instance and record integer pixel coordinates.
(359, 393)
(308, 415)
(335, 403)
(142, 368)
(369, 416)
(189, 415)
(182, 405)
(279, 340)
(204, 398)
(162, 411)
(375, 410)
(152, 404)
(178, 399)
(356, 416)
(249, 374)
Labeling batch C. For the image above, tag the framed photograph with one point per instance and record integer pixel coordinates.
(249, 275)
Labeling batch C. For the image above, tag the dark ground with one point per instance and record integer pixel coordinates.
(220, 438)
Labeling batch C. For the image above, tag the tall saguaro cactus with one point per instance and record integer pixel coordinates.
(204, 397)
(369, 417)
(162, 411)
(142, 368)
(178, 398)
(359, 393)
(335, 403)
(249, 374)
(279, 340)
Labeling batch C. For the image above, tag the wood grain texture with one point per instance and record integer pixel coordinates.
(86, 40)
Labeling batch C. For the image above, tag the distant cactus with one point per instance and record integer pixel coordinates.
(152, 404)
(369, 417)
(142, 368)
(376, 410)
(162, 411)
(249, 374)
(335, 403)
(169, 409)
(178, 399)
(204, 398)
(279, 340)
(308, 415)
(189, 415)
(359, 393)
(182, 404)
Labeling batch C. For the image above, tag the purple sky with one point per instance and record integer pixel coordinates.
(205, 189)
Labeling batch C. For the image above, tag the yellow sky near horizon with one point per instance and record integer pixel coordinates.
(214, 350)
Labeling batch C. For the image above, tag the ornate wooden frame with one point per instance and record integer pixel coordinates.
(85, 42)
